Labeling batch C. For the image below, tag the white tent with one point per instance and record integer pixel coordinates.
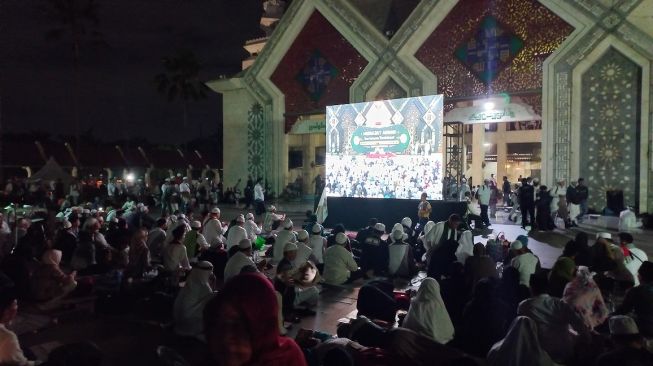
(52, 171)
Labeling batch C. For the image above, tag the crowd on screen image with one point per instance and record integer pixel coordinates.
(395, 177)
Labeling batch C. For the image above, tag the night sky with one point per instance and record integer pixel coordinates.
(118, 98)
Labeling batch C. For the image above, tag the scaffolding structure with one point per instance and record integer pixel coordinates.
(454, 163)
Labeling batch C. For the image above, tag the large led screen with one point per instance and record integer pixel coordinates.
(385, 149)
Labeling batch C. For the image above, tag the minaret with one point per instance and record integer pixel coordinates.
(273, 11)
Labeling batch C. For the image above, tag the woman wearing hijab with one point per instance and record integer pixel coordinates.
(242, 327)
(520, 347)
(428, 315)
(511, 291)
(584, 296)
(189, 305)
(562, 272)
(49, 283)
(139, 255)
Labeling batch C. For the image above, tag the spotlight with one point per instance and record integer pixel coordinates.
(488, 106)
(129, 177)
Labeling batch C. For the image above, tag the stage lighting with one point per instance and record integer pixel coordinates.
(129, 177)
(488, 106)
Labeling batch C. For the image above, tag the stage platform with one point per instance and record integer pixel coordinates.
(354, 212)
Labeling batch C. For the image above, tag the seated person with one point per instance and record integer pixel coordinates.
(284, 282)
(639, 301)
(554, 319)
(189, 305)
(524, 261)
(304, 252)
(10, 351)
(241, 325)
(272, 220)
(428, 315)
(339, 263)
(49, 284)
(239, 260)
(401, 261)
(520, 346)
(629, 346)
(306, 278)
(376, 300)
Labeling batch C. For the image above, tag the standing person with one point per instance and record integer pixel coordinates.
(249, 193)
(543, 219)
(574, 203)
(527, 204)
(423, 210)
(494, 198)
(559, 201)
(484, 193)
(259, 198)
(583, 195)
(184, 191)
(506, 191)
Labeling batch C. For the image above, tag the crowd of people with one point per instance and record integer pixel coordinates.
(531, 204)
(399, 176)
(241, 286)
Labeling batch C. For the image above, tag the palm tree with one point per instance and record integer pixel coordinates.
(180, 81)
(76, 23)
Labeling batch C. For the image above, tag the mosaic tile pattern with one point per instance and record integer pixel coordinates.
(317, 35)
(256, 141)
(540, 29)
(609, 141)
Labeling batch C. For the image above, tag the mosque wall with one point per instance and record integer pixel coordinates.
(237, 124)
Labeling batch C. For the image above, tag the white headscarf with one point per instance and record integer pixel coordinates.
(428, 315)
(189, 305)
(520, 346)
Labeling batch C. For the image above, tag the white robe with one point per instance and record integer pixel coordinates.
(188, 309)
(235, 235)
(465, 246)
(338, 264)
(317, 244)
(213, 232)
(252, 230)
(283, 237)
(235, 264)
(304, 253)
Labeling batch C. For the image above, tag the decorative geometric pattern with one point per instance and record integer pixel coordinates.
(609, 142)
(386, 16)
(391, 90)
(541, 30)
(490, 49)
(316, 75)
(256, 141)
(318, 34)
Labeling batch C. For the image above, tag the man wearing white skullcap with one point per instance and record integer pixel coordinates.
(339, 263)
(236, 233)
(239, 260)
(401, 261)
(272, 220)
(213, 230)
(304, 252)
(285, 236)
(194, 241)
(318, 245)
(524, 261)
(251, 227)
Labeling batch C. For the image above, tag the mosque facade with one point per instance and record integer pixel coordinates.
(576, 73)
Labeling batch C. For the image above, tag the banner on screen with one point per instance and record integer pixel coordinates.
(385, 149)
